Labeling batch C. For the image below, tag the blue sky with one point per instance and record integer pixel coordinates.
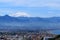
(35, 8)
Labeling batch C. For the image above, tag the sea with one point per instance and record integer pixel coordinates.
(56, 32)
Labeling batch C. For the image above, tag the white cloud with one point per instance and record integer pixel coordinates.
(38, 3)
(18, 14)
(32, 3)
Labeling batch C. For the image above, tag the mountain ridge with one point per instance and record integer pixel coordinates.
(31, 23)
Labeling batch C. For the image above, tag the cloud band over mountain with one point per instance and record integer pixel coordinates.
(18, 14)
(39, 8)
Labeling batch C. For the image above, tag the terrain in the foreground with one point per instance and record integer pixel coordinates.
(26, 35)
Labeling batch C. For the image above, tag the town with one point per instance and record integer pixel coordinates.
(25, 35)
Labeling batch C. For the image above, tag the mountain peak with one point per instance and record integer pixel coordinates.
(7, 15)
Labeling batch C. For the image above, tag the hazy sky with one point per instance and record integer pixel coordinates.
(39, 8)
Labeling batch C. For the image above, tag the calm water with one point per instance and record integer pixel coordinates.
(56, 32)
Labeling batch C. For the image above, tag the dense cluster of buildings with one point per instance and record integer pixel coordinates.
(37, 36)
(10, 37)
(28, 36)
